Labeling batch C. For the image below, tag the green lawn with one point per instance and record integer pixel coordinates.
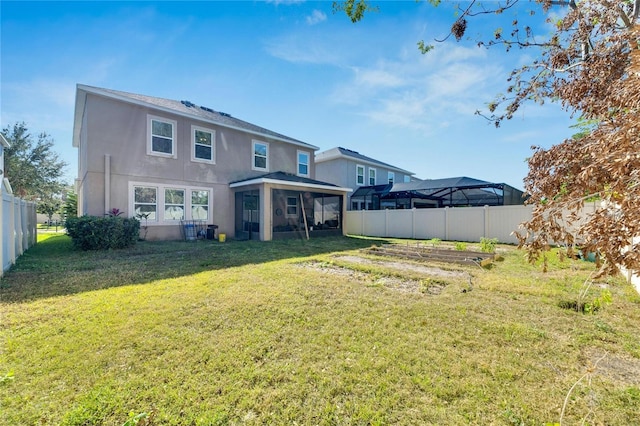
(310, 333)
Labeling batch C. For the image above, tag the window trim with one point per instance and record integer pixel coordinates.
(195, 159)
(360, 166)
(160, 201)
(174, 125)
(308, 164)
(164, 203)
(254, 142)
(391, 177)
(375, 177)
(132, 200)
(287, 205)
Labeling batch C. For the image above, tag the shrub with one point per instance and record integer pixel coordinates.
(488, 245)
(102, 233)
(460, 246)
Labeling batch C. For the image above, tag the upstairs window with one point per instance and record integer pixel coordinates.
(161, 137)
(372, 176)
(203, 145)
(359, 175)
(391, 177)
(260, 156)
(303, 163)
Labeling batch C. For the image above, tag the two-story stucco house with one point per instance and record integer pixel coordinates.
(350, 169)
(174, 161)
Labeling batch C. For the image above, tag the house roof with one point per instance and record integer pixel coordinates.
(183, 108)
(290, 179)
(340, 152)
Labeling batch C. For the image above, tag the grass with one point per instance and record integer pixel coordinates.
(248, 333)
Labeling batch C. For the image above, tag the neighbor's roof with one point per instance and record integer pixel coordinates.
(183, 108)
(431, 184)
(290, 179)
(4, 143)
(340, 152)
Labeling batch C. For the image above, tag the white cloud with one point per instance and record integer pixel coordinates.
(292, 49)
(316, 17)
(422, 92)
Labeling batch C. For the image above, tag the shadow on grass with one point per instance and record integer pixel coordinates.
(54, 268)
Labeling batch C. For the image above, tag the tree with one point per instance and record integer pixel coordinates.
(70, 206)
(49, 207)
(590, 64)
(32, 167)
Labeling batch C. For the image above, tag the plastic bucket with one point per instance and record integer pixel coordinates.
(222, 237)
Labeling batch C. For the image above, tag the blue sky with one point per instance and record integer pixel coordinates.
(294, 67)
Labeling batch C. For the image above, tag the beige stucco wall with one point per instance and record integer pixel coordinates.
(119, 130)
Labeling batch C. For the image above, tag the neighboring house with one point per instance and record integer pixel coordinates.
(350, 169)
(434, 193)
(175, 161)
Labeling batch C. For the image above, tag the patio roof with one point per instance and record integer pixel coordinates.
(290, 180)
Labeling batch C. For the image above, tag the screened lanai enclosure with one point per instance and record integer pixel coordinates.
(436, 193)
(280, 205)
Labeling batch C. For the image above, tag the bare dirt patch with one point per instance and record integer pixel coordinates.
(614, 367)
(435, 281)
(406, 266)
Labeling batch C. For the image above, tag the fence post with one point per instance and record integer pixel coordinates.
(413, 223)
(486, 221)
(446, 223)
(386, 222)
(362, 222)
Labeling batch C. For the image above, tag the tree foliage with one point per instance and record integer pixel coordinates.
(590, 64)
(32, 167)
(49, 207)
(70, 206)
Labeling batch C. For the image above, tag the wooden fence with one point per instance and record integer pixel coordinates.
(18, 226)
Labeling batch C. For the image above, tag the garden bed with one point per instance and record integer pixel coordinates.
(425, 253)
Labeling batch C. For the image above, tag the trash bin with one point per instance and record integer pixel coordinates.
(211, 232)
(222, 237)
(190, 232)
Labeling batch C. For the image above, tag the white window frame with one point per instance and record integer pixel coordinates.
(160, 201)
(372, 169)
(358, 167)
(308, 155)
(195, 159)
(183, 205)
(391, 177)
(174, 125)
(132, 200)
(253, 156)
(287, 205)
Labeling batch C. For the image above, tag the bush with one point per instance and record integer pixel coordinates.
(102, 233)
(488, 245)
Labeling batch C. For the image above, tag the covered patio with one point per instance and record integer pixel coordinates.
(281, 205)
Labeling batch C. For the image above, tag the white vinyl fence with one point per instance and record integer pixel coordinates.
(18, 227)
(455, 224)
